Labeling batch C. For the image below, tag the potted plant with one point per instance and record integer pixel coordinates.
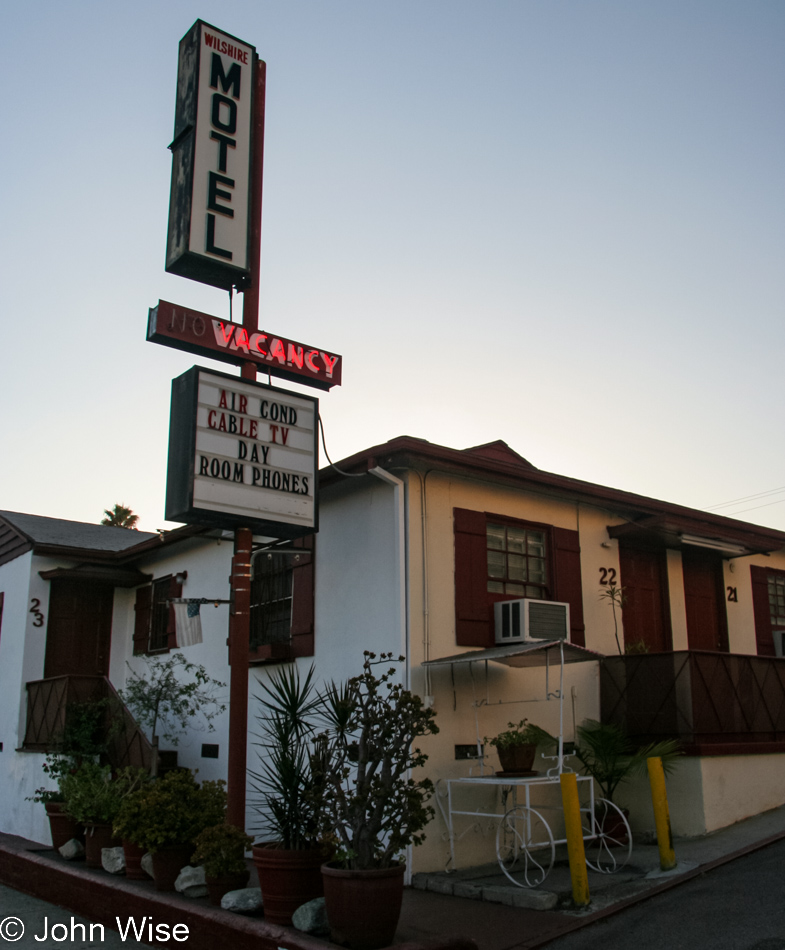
(370, 803)
(221, 849)
(82, 739)
(165, 817)
(61, 826)
(163, 700)
(93, 798)
(611, 758)
(287, 798)
(517, 746)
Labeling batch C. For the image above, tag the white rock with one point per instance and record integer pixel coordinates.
(113, 860)
(311, 918)
(190, 882)
(147, 864)
(72, 850)
(248, 900)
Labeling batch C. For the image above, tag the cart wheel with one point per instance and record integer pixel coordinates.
(607, 838)
(524, 846)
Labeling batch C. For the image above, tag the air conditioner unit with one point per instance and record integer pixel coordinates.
(527, 620)
(779, 642)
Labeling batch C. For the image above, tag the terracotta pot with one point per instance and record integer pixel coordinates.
(611, 826)
(517, 758)
(288, 879)
(97, 837)
(133, 861)
(218, 886)
(62, 827)
(167, 864)
(363, 907)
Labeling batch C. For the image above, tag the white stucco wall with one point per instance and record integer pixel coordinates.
(208, 563)
(21, 659)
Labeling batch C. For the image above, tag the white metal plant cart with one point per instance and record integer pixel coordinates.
(525, 844)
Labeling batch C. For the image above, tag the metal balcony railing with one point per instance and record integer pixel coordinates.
(714, 703)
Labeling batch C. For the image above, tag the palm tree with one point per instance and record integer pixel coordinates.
(120, 517)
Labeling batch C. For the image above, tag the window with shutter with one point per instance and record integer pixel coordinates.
(282, 604)
(768, 604)
(154, 623)
(500, 558)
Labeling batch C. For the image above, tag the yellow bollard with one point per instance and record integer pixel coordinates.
(575, 849)
(662, 818)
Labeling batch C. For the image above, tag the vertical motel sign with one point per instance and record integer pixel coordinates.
(210, 197)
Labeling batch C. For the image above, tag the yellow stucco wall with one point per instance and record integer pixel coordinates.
(705, 794)
(482, 705)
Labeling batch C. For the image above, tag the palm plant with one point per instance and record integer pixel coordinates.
(611, 758)
(120, 517)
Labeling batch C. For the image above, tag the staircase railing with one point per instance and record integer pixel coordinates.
(48, 701)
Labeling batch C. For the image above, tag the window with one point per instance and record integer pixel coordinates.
(768, 604)
(154, 629)
(282, 604)
(517, 563)
(271, 599)
(776, 585)
(500, 558)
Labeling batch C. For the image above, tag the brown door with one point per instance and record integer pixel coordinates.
(646, 609)
(79, 630)
(707, 622)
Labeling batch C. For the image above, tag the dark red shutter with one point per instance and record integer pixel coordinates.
(762, 611)
(567, 579)
(302, 599)
(473, 615)
(143, 607)
(175, 590)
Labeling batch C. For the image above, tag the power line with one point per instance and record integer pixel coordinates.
(738, 501)
(734, 513)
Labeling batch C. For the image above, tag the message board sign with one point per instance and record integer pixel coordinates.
(242, 453)
(199, 333)
(210, 196)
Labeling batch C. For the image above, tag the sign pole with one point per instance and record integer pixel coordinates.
(240, 618)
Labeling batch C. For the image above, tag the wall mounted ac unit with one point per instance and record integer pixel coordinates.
(527, 620)
(779, 642)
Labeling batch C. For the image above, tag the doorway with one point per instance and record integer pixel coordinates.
(79, 631)
(646, 609)
(704, 595)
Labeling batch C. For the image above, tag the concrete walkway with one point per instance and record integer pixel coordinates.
(478, 905)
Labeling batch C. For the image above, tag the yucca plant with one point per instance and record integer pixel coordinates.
(291, 760)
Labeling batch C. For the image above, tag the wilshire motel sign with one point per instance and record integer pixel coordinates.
(242, 455)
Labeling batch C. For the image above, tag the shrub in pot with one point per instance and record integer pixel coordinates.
(374, 810)
(221, 849)
(93, 797)
(171, 693)
(83, 738)
(165, 817)
(287, 794)
(517, 745)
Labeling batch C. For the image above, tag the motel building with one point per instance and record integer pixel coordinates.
(415, 546)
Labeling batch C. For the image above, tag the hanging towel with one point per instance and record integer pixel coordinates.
(188, 623)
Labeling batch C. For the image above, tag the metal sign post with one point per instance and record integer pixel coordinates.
(240, 616)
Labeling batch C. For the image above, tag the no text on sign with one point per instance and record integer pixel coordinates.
(204, 335)
(242, 453)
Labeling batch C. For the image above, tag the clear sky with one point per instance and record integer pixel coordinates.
(559, 223)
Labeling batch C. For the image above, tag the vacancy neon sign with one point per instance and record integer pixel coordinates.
(205, 335)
